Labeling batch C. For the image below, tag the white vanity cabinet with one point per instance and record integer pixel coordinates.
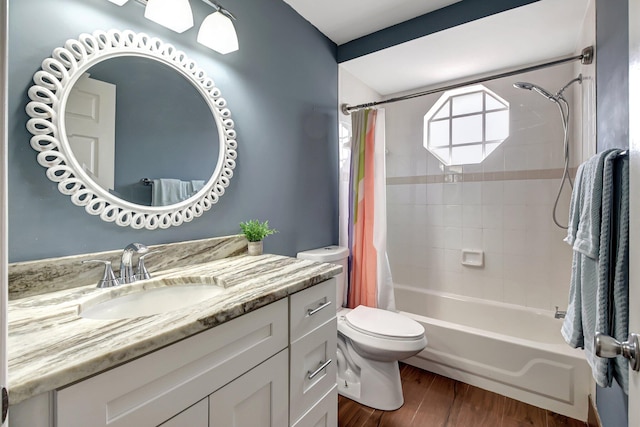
(155, 388)
(313, 333)
(273, 367)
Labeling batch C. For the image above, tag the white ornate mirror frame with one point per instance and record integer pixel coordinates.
(47, 111)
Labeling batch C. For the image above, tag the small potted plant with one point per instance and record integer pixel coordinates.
(255, 231)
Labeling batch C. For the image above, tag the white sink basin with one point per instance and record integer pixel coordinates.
(150, 301)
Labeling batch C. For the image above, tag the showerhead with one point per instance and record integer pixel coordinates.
(563, 106)
(523, 85)
(531, 86)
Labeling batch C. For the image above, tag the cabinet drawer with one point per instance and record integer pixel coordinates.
(312, 307)
(309, 380)
(323, 414)
(153, 388)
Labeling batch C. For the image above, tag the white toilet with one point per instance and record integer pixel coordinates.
(370, 343)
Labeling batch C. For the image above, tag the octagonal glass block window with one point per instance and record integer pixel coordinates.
(465, 125)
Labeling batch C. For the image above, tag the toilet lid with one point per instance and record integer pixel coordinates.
(375, 321)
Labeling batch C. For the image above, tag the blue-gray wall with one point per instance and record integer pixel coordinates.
(612, 95)
(281, 87)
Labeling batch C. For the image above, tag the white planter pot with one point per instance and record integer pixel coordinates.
(255, 248)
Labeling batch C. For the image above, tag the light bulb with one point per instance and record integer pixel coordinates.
(218, 33)
(173, 14)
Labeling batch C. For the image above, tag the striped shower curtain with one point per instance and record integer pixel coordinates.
(370, 280)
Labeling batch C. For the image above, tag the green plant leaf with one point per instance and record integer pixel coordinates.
(255, 230)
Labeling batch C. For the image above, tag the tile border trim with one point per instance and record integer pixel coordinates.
(480, 176)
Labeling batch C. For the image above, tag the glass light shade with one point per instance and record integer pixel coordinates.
(119, 2)
(218, 33)
(176, 15)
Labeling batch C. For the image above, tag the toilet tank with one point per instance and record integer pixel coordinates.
(333, 255)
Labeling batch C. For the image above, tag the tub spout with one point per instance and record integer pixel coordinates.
(560, 314)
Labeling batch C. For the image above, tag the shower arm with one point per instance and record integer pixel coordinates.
(561, 91)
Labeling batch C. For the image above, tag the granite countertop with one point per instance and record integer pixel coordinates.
(51, 346)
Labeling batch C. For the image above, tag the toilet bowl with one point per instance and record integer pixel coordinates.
(370, 343)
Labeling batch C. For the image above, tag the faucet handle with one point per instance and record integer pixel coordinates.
(109, 279)
(143, 273)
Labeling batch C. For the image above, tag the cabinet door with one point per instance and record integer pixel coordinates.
(323, 414)
(195, 416)
(258, 398)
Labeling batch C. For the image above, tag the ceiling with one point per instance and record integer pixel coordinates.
(343, 21)
(526, 35)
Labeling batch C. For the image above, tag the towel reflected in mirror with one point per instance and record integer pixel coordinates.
(168, 191)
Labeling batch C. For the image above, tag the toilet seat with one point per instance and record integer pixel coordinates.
(383, 323)
(375, 345)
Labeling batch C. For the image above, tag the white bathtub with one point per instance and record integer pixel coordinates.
(511, 350)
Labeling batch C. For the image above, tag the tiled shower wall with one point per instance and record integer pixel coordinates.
(501, 206)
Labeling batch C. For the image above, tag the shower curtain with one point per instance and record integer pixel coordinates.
(369, 275)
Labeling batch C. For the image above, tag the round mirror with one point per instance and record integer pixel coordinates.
(131, 129)
(132, 120)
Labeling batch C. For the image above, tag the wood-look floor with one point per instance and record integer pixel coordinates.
(431, 400)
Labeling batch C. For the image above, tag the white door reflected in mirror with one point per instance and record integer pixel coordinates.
(91, 121)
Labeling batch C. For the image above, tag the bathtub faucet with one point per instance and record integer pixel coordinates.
(560, 313)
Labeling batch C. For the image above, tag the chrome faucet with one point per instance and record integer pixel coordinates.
(560, 314)
(127, 273)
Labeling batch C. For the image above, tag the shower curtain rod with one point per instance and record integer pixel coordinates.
(586, 57)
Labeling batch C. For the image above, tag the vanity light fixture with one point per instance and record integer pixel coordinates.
(217, 31)
(176, 15)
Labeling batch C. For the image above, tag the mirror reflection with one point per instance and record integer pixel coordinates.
(142, 131)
